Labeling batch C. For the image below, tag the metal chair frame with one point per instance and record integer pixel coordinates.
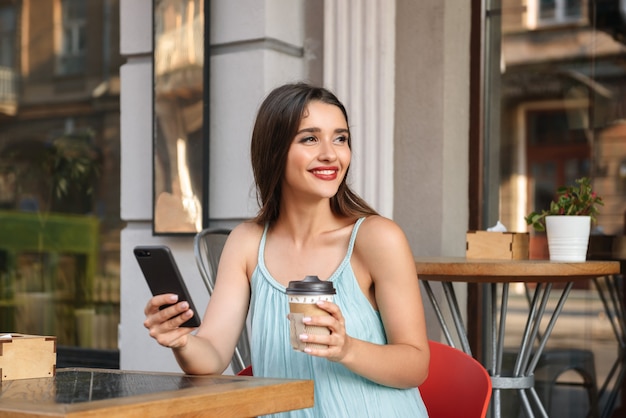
(207, 247)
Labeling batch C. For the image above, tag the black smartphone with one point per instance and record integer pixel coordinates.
(162, 274)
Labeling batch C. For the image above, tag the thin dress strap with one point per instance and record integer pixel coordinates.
(346, 260)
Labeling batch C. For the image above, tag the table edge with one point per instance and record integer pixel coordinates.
(459, 269)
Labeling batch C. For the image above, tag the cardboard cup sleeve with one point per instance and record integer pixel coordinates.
(297, 327)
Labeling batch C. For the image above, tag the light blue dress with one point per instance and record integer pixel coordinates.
(338, 392)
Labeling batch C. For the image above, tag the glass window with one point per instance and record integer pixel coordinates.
(73, 37)
(179, 115)
(60, 183)
(572, 9)
(546, 13)
(547, 9)
(559, 10)
(557, 101)
(7, 36)
(555, 108)
(7, 59)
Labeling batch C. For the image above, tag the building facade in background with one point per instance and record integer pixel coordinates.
(60, 170)
(561, 95)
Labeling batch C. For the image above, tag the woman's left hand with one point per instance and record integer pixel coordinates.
(338, 341)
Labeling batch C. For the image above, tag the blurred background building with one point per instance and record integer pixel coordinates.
(60, 171)
(561, 89)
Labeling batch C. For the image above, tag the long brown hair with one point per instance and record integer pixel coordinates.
(277, 123)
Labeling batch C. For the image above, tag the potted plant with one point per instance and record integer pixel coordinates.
(568, 220)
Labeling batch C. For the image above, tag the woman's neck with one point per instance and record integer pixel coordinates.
(304, 222)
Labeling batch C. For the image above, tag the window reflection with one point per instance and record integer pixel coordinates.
(562, 96)
(73, 37)
(559, 102)
(179, 118)
(59, 172)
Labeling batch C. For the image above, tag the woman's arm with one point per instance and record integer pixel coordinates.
(211, 349)
(382, 258)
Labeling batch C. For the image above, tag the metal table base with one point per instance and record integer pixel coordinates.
(521, 378)
(612, 297)
(496, 276)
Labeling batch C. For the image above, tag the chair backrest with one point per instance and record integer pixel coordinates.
(457, 384)
(207, 247)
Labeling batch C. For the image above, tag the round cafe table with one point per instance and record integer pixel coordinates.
(498, 275)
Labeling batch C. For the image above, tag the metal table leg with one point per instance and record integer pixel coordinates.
(613, 304)
(454, 310)
(522, 378)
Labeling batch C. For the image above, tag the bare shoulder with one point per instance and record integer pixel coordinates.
(383, 252)
(246, 229)
(377, 231)
(246, 236)
(242, 246)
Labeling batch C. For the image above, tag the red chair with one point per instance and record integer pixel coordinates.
(457, 384)
(246, 372)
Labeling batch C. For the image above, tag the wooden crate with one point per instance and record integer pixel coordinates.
(497, 245)
(27, 356)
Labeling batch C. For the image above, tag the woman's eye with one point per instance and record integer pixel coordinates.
(307, 139)
(341, 139)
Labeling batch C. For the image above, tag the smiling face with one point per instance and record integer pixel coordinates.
(319, 154)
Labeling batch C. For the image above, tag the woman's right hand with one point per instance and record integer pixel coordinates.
(164, 324)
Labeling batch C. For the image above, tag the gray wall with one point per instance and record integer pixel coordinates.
(431, 125)
(431, 132)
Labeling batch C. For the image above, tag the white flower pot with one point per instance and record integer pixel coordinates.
(568, 237)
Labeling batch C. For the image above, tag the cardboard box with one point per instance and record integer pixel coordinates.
(497, 245)
(27, 356)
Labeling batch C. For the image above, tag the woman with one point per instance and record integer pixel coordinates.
(311, 223)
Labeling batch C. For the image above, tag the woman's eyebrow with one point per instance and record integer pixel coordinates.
(308, 130)
(314, 129)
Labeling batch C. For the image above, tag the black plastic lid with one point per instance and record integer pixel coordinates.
(310, 285)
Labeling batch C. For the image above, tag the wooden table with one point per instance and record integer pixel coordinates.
(544, 274)
(80, 392)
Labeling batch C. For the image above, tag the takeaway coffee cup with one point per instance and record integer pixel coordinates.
(303, 296)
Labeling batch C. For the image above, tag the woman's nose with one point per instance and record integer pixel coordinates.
(327, 151)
